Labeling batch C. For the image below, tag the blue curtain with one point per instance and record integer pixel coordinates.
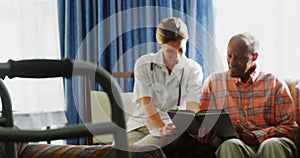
(114, 33)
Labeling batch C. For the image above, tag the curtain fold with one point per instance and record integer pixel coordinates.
(113, 34)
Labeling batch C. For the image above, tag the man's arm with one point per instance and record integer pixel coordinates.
(206, 99)
(284, 122)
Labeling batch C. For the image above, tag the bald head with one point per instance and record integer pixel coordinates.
(245, 43)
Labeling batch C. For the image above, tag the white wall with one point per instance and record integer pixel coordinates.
(275, 23)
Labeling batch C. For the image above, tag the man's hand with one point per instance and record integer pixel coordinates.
(246, 135)
(206, 136)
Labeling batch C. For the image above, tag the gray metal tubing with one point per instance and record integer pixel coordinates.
(117, 126)
(8, 134)
(114, 92)
(7, 117)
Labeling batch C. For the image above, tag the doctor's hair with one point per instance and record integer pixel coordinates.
(171, 29)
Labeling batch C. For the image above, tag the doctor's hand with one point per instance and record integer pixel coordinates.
(167, 129)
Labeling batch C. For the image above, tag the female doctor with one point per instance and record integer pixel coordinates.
(164, 80)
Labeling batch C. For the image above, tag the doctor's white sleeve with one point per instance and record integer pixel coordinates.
(194, 84)
(142, 80)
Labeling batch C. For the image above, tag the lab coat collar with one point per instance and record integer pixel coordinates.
(158, 58)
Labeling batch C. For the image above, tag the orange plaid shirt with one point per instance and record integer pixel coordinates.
(263, 103)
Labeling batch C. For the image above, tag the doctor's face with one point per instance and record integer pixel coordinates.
(173, 51)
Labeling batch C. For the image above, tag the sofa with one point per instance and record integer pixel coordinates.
(78, 151)
(101, 112)
(48, 150)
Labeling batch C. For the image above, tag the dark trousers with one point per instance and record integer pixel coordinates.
(187, 147)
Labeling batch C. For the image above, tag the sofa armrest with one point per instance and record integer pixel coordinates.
(294, 87)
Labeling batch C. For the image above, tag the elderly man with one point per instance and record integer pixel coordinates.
(258, 103)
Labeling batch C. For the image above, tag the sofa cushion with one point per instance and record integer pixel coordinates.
(86, 151)
(101, 112)
(65, 151)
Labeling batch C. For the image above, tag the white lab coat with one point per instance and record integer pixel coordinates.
(155, 82)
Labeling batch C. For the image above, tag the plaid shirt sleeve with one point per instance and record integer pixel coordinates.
(206, 98)
(283, 117)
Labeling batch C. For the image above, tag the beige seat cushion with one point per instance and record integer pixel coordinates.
(101, 111)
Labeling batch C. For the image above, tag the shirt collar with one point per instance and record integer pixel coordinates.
(252, 78)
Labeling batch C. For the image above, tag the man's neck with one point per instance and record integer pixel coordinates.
(246, 76)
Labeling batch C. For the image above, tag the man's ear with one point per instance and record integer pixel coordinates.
(255, 55)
